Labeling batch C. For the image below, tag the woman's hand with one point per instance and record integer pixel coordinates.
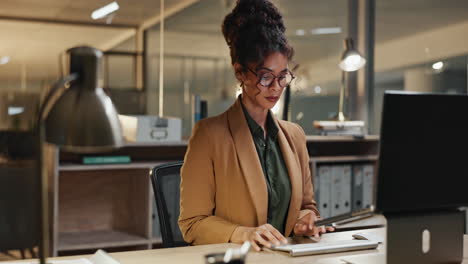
(305, 226)
(265, 235)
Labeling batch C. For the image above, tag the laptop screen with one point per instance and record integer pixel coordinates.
(423, 162)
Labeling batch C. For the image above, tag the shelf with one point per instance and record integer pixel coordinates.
(25, 163)
(98, 239)
(156, 144)
(335, 159)
(132, 165)
(341, 138)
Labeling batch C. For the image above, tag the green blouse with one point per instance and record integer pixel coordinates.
(274, 170)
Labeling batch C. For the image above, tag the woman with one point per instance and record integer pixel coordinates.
(246, 174)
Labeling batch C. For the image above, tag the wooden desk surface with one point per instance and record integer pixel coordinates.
(195, 254)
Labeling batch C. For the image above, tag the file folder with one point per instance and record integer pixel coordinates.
(324, 190)
(368, 185)
(357, 189)
(341, 189)
(315, 184)
(346, 199)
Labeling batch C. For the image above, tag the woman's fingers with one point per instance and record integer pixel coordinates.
(308, 220)
(279, 236)
(262, 241)
(306, 227)
(305, 224)
(300, 229)
(266, 235)
(312, 220)
(316, 231)
(270, 238)
(255, 246)
(321, 229)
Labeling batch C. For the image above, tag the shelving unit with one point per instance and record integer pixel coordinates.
(98, 239)
(336, 159)
(106, 206)
(132, 165)
(341, 149)
(333, 151)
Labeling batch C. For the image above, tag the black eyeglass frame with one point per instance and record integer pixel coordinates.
(259, 79)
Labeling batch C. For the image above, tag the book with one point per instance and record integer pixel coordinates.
(106, 159)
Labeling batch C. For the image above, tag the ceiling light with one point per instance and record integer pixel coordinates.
(4, 60)
(105, 10)
(327, 30)
(317, 89)
(438, 65)
(300, 32)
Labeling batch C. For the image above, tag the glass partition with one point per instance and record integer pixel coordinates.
(420, 46)
(197, 62)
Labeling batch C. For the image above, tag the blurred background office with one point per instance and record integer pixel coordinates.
(417, 45)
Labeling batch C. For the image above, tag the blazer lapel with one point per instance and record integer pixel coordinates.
(295, 176)
(248, 159)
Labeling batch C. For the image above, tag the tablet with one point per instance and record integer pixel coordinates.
(326, 247)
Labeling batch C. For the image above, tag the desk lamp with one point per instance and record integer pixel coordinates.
(80, 119)
(351, 60)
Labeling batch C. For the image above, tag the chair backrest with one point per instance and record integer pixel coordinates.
(19, 208)
(166, 187)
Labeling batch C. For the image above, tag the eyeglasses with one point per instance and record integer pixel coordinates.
(266, 79)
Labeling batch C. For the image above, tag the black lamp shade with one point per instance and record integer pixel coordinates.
(84, 119)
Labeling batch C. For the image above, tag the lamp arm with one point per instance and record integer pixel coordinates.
(44, 245)
(341, 117)
(61, 83)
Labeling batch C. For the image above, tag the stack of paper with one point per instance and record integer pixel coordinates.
(100, 257)
(71, 261)
(340, 128)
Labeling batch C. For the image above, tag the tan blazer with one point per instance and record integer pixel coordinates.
(223, 185)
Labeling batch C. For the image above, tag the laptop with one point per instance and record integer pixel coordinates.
(305, 246)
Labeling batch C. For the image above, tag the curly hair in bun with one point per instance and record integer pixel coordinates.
(253, 30)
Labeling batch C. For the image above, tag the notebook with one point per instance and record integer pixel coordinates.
(296, 250)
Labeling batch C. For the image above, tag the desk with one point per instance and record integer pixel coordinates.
(195, 254)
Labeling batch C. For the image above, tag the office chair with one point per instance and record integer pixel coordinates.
(19, 210)
(166, 187)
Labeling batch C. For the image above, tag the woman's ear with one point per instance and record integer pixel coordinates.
(238, 69)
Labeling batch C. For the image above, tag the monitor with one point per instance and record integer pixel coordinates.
(423, 165)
